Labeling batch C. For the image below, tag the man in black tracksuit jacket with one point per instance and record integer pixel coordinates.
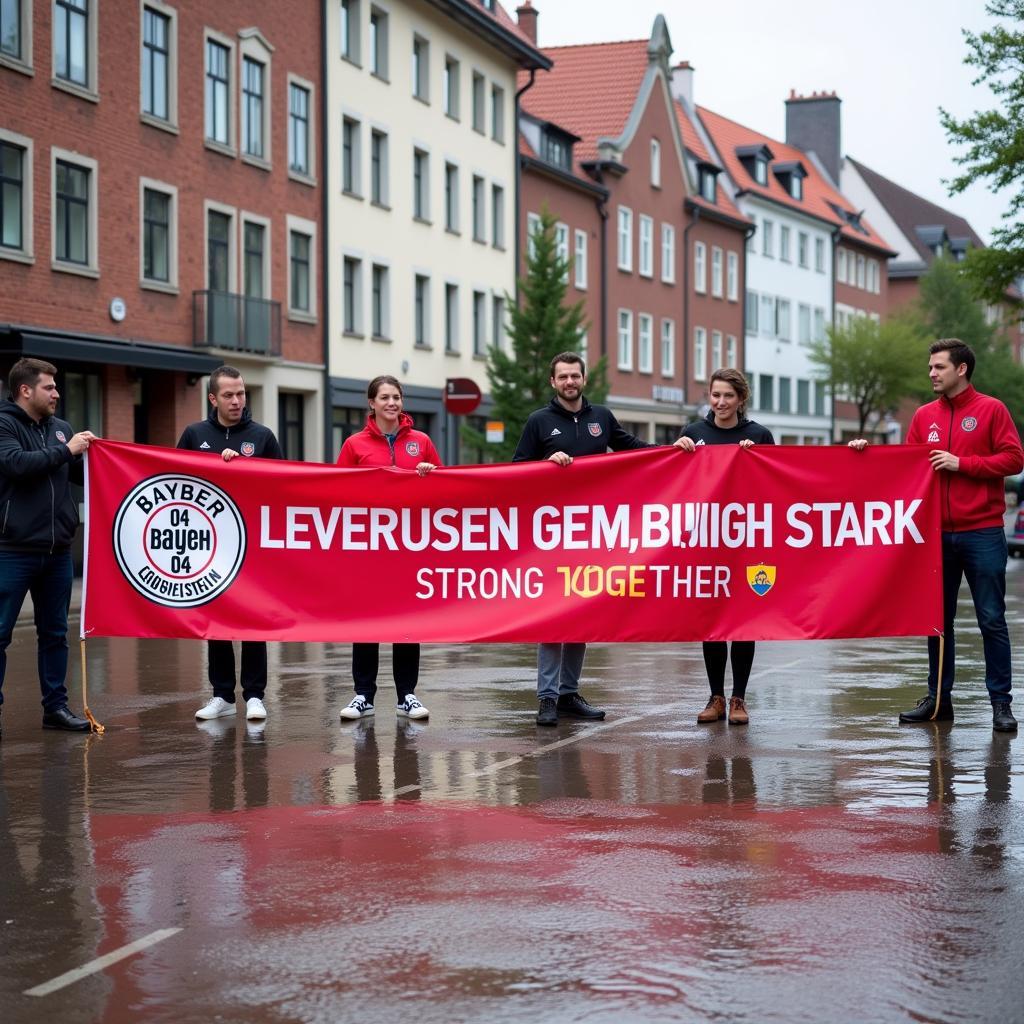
(566, 427)
(230, 432)
(39, 456)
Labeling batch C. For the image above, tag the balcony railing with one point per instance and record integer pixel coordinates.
(236, 322)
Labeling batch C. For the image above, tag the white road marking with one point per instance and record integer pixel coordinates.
(101, 963)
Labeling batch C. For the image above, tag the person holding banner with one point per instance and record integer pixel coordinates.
(39, 455)
(230, 432)
(566, 427)
(973, 444)
(388, 439)
(726, 423)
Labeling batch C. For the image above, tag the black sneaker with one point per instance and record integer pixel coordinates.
(575, 706)
(547, 714)
(1002, 717)
(927, 712)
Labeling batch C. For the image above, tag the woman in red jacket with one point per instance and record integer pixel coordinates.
(388, 439)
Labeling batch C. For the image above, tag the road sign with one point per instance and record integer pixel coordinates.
(461, 396)
(495, 431)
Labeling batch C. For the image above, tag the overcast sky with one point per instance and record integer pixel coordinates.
(892, 62)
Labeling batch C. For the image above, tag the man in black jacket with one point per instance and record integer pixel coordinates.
(39, 454)
(230, 432)
(566, 427)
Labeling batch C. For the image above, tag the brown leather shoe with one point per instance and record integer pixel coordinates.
(714, 712)
(738, 711)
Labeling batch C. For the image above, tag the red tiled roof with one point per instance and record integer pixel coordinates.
(695, 144)
(818, 193)
(507, 22)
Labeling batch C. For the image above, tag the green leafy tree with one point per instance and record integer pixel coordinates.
(540, 327)
(873, 365)
(994, 141)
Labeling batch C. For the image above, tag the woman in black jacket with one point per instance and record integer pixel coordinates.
(726, 423)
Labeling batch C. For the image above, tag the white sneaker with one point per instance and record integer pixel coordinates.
(216, 707)
(358, 707)
(411, 708)
(255, 709)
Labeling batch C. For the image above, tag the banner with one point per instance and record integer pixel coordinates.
(769, 543)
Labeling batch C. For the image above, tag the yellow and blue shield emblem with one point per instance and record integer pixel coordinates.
(761, 578)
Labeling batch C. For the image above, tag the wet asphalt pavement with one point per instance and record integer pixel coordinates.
(821, 864)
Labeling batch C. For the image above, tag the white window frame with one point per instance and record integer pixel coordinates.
(716, 271)
(301, 226)
(450, 86)
(478, 101)
(861, 271)
(784, 247)
(700, 353)
(480, 323)
(580, 259)
(383, 198)
(245, 217)
(357, 329)
(90, 90)
(26, 254)
(451, 318)
(533, 225)
(655, 163)
(497, 216)
(768, 238)
(562, 246)
(700, 268)
(624, 334)
(227, 148)
(310, 177)
(497, 113)
(354, 188)
(211, 206)
(625, 238)
(423, 199)
(171, 284)
(819, 255)
(92, 267)
(732, 276)
(803, 250)
(253, 46)
(170, 123)
(379, 54)
(841, 265)
(452, 211)
(668, 254)
(384, 332)
(645, 343)
(645, 242)
(23, 62)
(730, 351)
(420, 68)
(498, 320)
(478, 208)
(668, 347)
(350, 31)
(420, 276)
(716, 351)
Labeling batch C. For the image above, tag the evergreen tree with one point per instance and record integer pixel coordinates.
(540, 327)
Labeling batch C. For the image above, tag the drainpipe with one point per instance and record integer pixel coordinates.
(747, 236)
(518, 183)
(836, 235)
(325, 319)
(686, 306)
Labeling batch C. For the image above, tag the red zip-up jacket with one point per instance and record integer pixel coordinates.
(370, 447)
(979, 431)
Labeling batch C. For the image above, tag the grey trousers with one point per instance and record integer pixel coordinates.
(559, 667)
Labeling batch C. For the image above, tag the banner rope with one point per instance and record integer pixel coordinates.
(94, 726)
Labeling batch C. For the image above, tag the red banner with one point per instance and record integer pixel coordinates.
(770, 543)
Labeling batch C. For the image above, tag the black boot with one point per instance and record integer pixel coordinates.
(1002, 717)
(926, 710)
(62, 718)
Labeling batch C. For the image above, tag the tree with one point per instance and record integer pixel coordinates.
(540, 327)
(873, 365)
(995, 145)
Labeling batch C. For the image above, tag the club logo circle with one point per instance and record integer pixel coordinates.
(179, 540)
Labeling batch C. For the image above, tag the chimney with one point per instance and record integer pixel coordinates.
(682, 82)
(813, 125)
(526, 16)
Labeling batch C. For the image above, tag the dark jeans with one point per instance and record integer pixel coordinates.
(366, 658)
(48, 579)
(222, 669)
(980, 555)
(716, 654)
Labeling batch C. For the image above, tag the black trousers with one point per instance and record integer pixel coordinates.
(366, 659)
(716, 654)
(222, 669)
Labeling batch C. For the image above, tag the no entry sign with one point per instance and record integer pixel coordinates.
(461, 396)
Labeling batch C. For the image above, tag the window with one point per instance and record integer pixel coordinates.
(254, 262)
(298, 129)
(819, 324)
(668, 254)
(156, 236)
(803, 249)
(479, 324)
(479, 210)
(861, 272)
(580, 259)
(768, 316)
(803, 397)
(625, 352)
(497, 321)
(708, 185)
(350, 30)
(562, 247)
(751, 312)
(72, 195)
(668, 348)
(784, 243)
(766, 391)
(700, 268)
(421, 69)
(156, 64)
(219, 261)
(716, 350)
(532, 228)
(625, 238)
(785, 387)
(15, 198)
(352, 295)
(819, 398)
(819, 255)
(12, 29)
(730, 350)
(378, 168)
(761, 172)
(351, 156)
(498, 216)
(783, 325)
(700, 353)
(451, 318)
(379, 302)
(497, 113)
(803, 333)
(299, 294)
(655, 163)
(451, 87)
(716, 271)
(841, 265)
(767, 238)
(218, 85)
(645, 343)
(479, 109)
(378, 43)
(796, 186)
(753, 231)
(291, 424)
(420, 185)
(646, 246)
(451, 197)
(556, 150)
(732, 277)
(421, 313)
(252, 107)
(874, 282)
(71, 37)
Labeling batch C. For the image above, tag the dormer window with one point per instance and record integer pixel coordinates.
(488, 5)
(707, 181)
(933, 236)
(556, 149)
(791, 176)
(755, 160)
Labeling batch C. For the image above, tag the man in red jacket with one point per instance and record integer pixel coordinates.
(973, 446)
